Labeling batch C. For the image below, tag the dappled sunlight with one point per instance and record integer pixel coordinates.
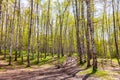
(59, 39)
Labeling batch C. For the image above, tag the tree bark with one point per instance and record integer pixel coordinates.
(12, 33)
(83, 25)
(1, 24)
(115, 34)
(38, 42)
(91, 26)
(77, 24)
(29, 35)
(6, 25)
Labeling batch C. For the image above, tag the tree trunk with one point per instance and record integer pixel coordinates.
(38, 42)
(83, 25)
(0, 8)
(11, 34)
(77, 22)
(91, 26)
(0, 24)
(115, 34)
(29, 35)
(6, 24)
(88, 38)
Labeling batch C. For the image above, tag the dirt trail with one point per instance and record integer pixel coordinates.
(45, 72)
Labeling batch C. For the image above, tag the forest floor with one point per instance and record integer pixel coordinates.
(69, 71)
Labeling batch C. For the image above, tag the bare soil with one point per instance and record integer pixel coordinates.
(67, 71)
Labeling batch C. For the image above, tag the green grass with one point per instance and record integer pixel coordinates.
(118, 72)
(115, 60)
(62, 59)
(48, 60)
(100, 73)
(75, 55)
(104, 75)
(1, 69)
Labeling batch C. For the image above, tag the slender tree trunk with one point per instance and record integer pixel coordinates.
(47, 29)
(52, 37)
(29, 35)
(109, 41)
(117, 23)
(11, 34)
(17, 34)
(115, 34)
(103, 32)
(1, 23)
(38, 42)
(0, 7)
(77, 21)
(88, 38)
(32, 40)
(20, 32)
(61, 35)
(83, 25)
(91, 26)
(6, 24)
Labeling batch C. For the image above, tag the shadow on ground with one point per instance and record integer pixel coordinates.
(88, 75)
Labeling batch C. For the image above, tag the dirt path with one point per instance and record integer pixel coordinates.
(45, 72)
(42, 73)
